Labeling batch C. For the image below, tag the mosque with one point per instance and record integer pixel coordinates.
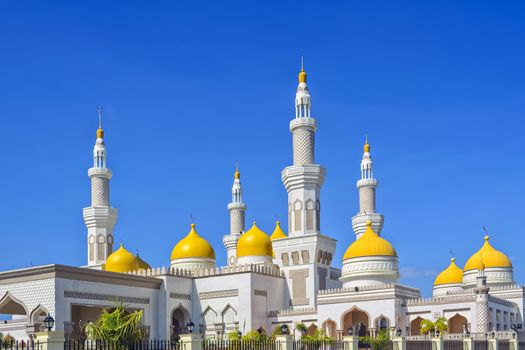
(269, 279)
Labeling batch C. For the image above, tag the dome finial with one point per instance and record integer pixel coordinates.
(366, 147)
(100, 131)
(302, 73)
(237, 174)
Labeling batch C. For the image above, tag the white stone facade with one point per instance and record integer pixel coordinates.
(299, 284)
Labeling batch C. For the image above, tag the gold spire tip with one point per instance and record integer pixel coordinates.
(302, 73)
(366, 147)
(100, 131)
(237, 173)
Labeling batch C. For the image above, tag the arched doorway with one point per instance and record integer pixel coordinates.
(358, 320)
(311, 329)
(329, 328)
(415, 326)
(456, 324)
(179, 316)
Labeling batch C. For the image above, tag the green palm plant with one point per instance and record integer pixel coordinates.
(117, 327)
(379, 342)
(439, 325)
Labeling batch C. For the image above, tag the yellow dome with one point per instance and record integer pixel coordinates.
(143, 265)
(193, 246)
(369, 244)
(278, 232)
(452, 274)
(254, 242)
(122, 260)
(487, 256)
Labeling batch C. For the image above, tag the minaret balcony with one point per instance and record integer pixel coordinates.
(101, 172)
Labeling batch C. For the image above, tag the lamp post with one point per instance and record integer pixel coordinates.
(49, 322)
(350, 331)
(239, 334)
(284, 328)
(260, 330)
(190, 326)
(398, 332)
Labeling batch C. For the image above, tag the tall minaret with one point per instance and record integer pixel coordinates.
(303, 180)
(482, 301)
(236, 208)
(367, 197)
(99, 218)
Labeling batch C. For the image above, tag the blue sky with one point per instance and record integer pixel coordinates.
(190, 87)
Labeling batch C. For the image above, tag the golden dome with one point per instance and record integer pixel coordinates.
(193, 246)
(100, 133)
(143, 265)
(487, 256)
(369, 244)
(278, 232)
(452, 274)
(302, 75)
(122, 260)
(254, 242)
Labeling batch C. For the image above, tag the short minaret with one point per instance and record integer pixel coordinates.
(237, 208)
(303, 180)
(99, 218)
(482, 301)
(367, 197)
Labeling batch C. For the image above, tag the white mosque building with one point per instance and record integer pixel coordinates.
(269, 279)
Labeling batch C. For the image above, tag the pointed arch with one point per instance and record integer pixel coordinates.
(329, 327)
(457, 323)
(179, 316)
(415, 325)
(229, 316)
(34, 316)
(209, 316)
(311, 329)
(381, 322)
(12, 306)
(358, 319)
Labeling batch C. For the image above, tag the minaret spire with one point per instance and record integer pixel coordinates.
(99, 218)
(367, 196)
(237, 209)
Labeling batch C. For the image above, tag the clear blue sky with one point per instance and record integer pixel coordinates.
(191, 87)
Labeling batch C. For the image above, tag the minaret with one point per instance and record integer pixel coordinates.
(99, 218)
(303, 180)
(237, 209)
(482, 301)
(367, 197)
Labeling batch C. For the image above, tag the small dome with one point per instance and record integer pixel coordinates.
(254, 242)
(192, 246)
(302, 76)
(278, 232)
(452, 274)
(487, 256)
(143, 265)
(369, 244)
(122, 260)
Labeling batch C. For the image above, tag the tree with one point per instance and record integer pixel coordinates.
(379, 342)
(117, 326)
(427, 326)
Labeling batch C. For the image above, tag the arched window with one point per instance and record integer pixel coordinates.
(91, 247)
(100, 247)
(310, 210)
(297, 207)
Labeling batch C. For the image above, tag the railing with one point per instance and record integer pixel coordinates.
(419, 345)
(319, 345)
(239, 345)
(19, 345)
(138, 345)
(481, 345)
(453, 344)
(503, 344)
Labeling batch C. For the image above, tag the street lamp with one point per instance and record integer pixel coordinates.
(190, 326)
(437, 333)
(260, 330)
(49, 322)
(350, 331)
(239, 334)
(284, 328)
(398, 332)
